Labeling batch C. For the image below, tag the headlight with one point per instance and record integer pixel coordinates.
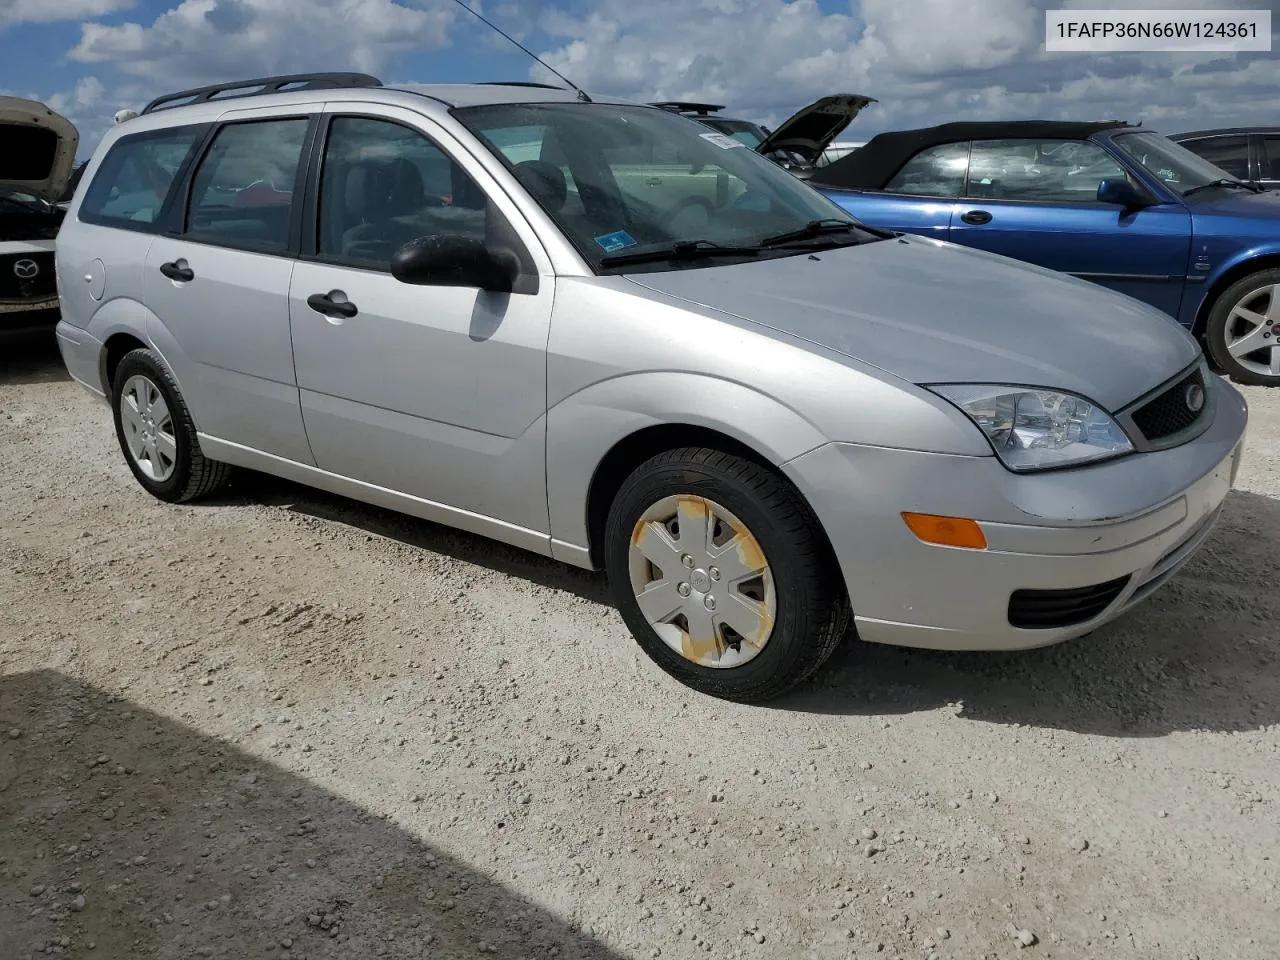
(1034, 429)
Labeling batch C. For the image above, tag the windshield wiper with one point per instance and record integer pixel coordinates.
(814, 228)
(1224, 182)
(681, 250)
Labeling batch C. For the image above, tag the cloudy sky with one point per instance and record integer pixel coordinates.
(925, 61)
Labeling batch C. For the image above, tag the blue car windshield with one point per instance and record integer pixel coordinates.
(621, 181)
(1179, 168)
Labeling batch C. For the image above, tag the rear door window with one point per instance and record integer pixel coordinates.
(243, 190)
(1229, 153)
(134, 179)
(1271, 158)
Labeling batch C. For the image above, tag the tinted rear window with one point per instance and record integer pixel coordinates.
(28, 153)
(134, 179)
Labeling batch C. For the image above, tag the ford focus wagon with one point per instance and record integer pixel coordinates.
(601, 332)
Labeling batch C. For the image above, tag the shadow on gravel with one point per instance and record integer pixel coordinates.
(31, 358)
(413, 532)
(1202, 654)
(132, 836)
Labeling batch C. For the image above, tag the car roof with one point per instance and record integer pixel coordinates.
(1223, 132)
(872, 166)
(203, 104)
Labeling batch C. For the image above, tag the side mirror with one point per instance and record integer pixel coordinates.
(1122, 193)
(453, 261)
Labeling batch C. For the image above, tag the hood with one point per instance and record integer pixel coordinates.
(1236, 203)
(934, 312)
(39, 148)
(809, 130)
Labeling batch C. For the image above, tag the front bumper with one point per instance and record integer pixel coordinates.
(1138, 518)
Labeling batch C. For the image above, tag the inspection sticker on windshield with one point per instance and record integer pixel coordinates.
(723, 141)
(618, 240)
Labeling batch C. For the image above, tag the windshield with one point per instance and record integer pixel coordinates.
(1179, 168)
(15, 199)
(626, 180)
(743, 130)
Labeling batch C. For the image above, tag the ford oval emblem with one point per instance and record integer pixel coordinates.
(1194, 397)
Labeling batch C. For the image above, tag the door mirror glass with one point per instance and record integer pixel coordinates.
(454, 261)
(1122, 193)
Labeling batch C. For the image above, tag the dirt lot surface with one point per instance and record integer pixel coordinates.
(284, 725)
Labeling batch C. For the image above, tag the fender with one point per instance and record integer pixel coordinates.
(1197, 304)
(583, 427)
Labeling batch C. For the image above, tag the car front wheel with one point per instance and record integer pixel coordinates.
(1243, 333)
(157, 434)
(723, 575)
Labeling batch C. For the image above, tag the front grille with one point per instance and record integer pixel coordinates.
(40, 287)
(1169, 413)
(1045, 609)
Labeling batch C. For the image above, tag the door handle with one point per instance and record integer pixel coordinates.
(976, 217)
(177, 270)
(332, 304)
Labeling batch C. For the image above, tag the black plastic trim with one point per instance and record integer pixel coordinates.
(263, 86)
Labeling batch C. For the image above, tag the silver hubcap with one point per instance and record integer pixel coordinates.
(148, 428)
(702, 581)
(1253, 331)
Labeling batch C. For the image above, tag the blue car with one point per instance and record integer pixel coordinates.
(1108, 202)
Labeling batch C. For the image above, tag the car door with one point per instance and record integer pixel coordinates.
(219, 285)
(434, 392)
(920, 198)
(1036, 200)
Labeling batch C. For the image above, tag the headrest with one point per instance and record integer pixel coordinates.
(545, 183)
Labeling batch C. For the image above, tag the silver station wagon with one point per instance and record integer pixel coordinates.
(600, 331)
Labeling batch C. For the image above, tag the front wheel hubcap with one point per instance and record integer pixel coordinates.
(702, 581)
(1251, 331)
(148, 428)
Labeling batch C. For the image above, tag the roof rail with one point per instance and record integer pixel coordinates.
(686, 106)
(262, 86)
(519, 83)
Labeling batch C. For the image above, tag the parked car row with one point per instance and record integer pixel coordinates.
(603, 332)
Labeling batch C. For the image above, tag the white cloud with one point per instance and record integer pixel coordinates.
(925, 61)
(52, 11)
(210, 40)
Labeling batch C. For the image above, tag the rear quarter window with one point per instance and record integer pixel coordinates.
(136, 176)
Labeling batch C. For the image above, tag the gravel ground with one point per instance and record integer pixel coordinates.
(285, 725)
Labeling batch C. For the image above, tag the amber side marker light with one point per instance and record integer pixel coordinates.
(946, 531)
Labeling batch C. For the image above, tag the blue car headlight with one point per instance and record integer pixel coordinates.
(1034, 429)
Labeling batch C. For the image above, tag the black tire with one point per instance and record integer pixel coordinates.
(1216, 328)
(194, 475)
(812, 614)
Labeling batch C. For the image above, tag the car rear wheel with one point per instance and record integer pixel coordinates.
(1243, 333)
(156, 433)
(723, 574)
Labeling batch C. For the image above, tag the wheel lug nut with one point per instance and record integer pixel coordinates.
(683, 589)
(714, 573)
(687, 561)
(709, 602)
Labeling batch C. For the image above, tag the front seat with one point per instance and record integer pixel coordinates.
(385, 195)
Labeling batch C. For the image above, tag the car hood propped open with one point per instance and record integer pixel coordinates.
(39, 148)
(808, 131)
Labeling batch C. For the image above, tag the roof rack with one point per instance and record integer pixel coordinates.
(262, 86)
(686, 106)
(519, 83)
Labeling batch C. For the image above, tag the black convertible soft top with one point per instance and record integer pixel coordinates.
(872, 166)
